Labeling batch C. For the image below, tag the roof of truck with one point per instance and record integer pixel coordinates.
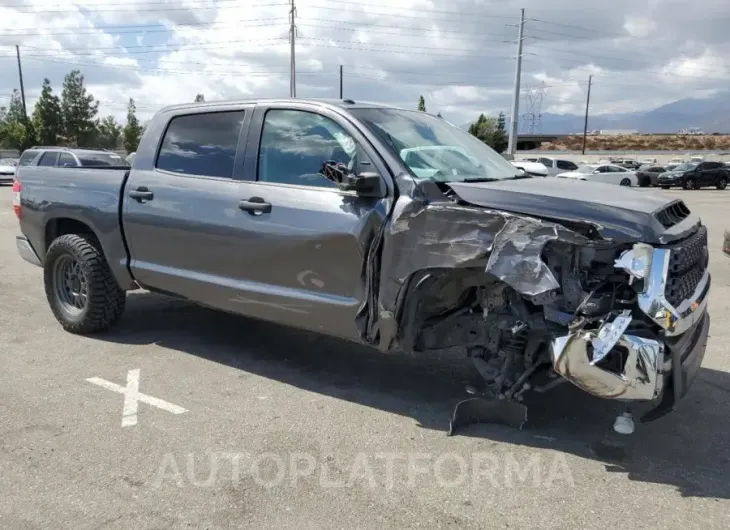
(341, 103)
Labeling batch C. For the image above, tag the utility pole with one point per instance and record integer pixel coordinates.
(22, 88)
(340, 81)
(292, 41)
(511, 146)
(585, 123)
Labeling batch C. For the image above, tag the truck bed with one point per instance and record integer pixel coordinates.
(76, 195)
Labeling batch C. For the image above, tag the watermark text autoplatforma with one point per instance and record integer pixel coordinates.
(375, 470)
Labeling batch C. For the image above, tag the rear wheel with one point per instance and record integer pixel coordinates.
(80, 288)
(721, 183)
(625, 182)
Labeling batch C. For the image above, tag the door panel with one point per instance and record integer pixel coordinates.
(183, 238)
(305, 267)
(307, 253)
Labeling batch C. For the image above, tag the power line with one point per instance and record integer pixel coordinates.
(164, 7)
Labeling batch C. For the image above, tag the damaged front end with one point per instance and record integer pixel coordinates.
(537, 302)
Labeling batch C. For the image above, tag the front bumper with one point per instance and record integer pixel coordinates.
(25, 249)
(6, 177)
(656, 372)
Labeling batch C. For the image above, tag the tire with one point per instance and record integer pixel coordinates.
(75, 265)
(721, 183)
(666, 187)
(689, 184)
(625, 182)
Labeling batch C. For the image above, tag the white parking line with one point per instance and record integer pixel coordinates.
(132, 397)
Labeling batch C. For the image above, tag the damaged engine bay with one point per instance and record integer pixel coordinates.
(535, 302)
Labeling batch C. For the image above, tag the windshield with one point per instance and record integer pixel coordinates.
(101, 159)
(433, 148)
(586, 169)
(686, 166)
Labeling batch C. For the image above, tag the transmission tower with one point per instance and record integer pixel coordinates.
(532, 118)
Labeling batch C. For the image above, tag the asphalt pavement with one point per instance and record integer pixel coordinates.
(182, 417)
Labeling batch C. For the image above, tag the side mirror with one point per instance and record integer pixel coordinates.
(364, 184)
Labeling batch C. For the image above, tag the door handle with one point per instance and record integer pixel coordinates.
(255, 206)
(141, 194)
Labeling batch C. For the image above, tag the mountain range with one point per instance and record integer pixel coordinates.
(711, 115)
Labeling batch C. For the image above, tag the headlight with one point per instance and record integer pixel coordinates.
(637, 261)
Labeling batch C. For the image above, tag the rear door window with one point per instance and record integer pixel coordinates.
(48, 159)
(66, 160)
(201, 144)
(27, 158)
(566, 165)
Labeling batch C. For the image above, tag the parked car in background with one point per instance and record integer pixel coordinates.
(670, 167)
(7, 170)
(647, 175)
(628, 163)
(648, 161)
(677, 161)
(693, 176)
(68, 157)
(130, 157)
(534, 169)
(557, 165)
(607, 173)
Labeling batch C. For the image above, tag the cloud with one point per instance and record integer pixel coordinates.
(459, 55)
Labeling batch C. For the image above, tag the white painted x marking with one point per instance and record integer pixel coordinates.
(132, 397)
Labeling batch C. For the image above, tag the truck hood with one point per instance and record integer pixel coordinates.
(620, 214)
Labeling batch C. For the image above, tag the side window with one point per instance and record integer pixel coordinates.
(566, 165)
(546, 162)
(604, 169)
(295, 144)
(201, 144)
(616, 169)
(712, 165)
(66, 160)
(48, 159)
(27, 158)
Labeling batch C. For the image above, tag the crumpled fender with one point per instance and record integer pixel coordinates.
(427, 231)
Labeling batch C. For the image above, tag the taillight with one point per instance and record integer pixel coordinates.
(16, 197)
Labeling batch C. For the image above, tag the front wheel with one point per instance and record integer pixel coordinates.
(689, 184)
(80, 288)
(625, 182)
(666, 187)
(721, 184)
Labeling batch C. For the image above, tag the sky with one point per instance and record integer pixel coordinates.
(460, 55)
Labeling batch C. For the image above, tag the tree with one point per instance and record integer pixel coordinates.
(500, 139)
(16, 131)
(488, 131)
(422, 104)
(78, 110)
(109, 133)
(132, 131)
(199, 98)
(47, 118)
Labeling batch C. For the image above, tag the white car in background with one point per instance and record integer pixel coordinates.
(7, 170)
(535, 169)
(607, 173)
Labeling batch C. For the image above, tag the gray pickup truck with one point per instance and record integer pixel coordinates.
(388, 227)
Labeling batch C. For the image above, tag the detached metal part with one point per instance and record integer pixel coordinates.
(640, 378)
(653, 265)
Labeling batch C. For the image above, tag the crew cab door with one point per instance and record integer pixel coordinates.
(180, 214)
(306, 240)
